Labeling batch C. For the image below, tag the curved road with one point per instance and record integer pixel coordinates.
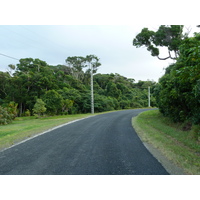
(101, 145)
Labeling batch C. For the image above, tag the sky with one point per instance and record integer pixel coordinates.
(112, 44)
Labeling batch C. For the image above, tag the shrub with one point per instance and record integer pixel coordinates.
(5, 116)
(27, 113)
(39, 108)
(12, 109)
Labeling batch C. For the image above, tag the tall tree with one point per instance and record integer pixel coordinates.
(76, 64)
(30, 64)
(178, 90)
(64, 93)
(4, 84)
(92, 61)
(166, 36)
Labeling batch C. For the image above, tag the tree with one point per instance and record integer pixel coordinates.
(166, 36)
(29, 64)
(112, 90)
(4, 84)
(64, 93)
(66, 105)
(53, 102)
(92, 61)
(178, 90)
(76, 64)
(39, 107)
(74, 96)
(18, 92)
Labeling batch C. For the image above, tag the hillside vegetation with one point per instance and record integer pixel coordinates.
(33, 87)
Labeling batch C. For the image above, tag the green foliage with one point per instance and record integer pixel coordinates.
(78, 63)
(104, 103)
(65, 89)
(6, 116)
(27, 113)
(38, 109)
(53, 101)
(4, 84)
(112, 90)
(74, 96)
(66, 105)
(166, 36)
(178, 90)
(12, 108)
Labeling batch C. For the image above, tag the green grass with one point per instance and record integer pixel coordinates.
(24, 127)
(181, 147)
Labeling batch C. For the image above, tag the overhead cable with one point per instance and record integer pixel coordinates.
(9, 56)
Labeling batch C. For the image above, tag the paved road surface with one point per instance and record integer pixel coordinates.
(101, 145)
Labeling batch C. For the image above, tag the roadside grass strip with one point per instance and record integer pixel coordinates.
(178, 146)
(25, 128)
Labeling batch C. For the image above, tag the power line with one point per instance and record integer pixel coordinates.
(44, 38)
(8, 56)
(16, 37)
(36, 40)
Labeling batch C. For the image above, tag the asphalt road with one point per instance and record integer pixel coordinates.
(105, 144)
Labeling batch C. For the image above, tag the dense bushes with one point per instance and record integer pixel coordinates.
(39, 108)
(7, 114)
(5, 117)
(178, 91)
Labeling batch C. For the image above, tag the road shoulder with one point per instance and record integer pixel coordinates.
(171, 168)
(167, 164)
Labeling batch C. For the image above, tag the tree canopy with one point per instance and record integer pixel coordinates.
(166, 36)
(179, 89)
(37, 88)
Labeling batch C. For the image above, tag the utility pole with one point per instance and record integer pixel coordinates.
(149, 97)
(93, 62)
(92, 93)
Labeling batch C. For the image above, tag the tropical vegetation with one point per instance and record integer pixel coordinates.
(178, 91)
(37, 88)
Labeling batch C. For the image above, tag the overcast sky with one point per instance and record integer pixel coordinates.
(104, 28)
(54, 43)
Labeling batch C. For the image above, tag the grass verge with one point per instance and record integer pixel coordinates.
(180, 147)
(24, 127)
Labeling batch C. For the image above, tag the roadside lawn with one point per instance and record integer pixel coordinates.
(24, 127)
(180, 147)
